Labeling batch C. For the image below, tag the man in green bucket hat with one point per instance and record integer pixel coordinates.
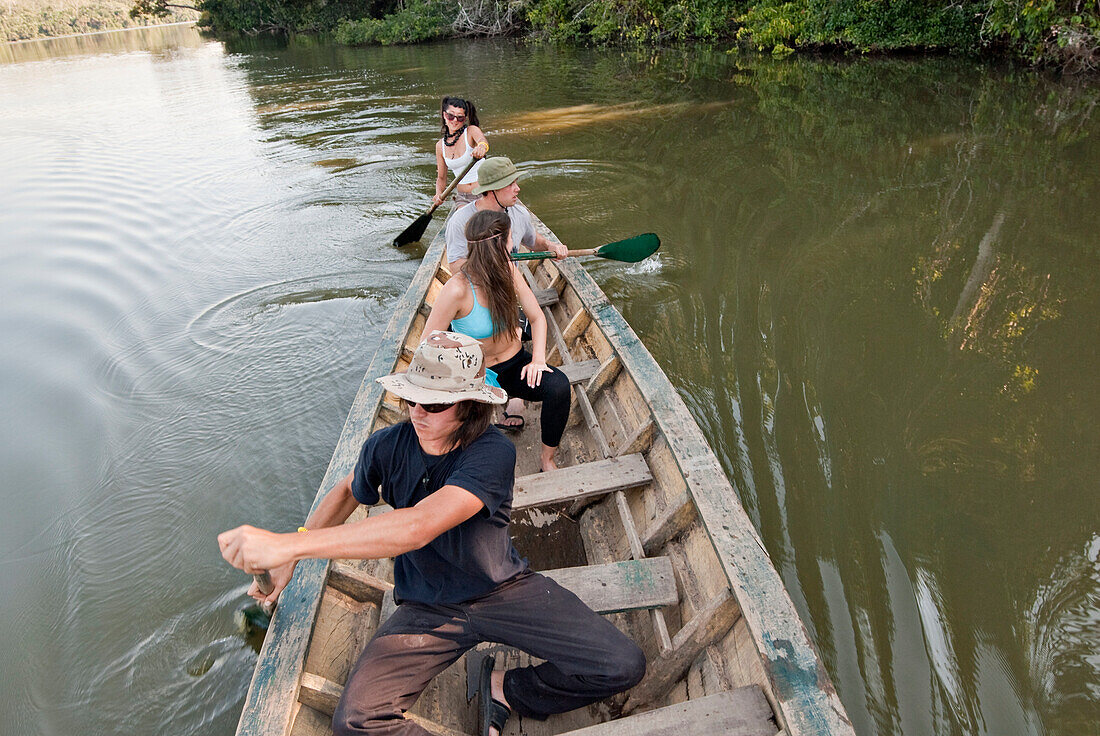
(497, 189)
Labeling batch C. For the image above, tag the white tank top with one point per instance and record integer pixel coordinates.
(458, 163)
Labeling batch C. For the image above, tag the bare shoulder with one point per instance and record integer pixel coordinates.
(474, 130)
(456, 287)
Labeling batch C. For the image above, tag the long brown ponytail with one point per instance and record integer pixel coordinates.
(488, 267)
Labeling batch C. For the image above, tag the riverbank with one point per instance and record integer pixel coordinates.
(25, 20)
(1062, 33)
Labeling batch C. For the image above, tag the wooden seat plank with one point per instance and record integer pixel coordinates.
(580, 481)
(741, 712)
(546, 297)
(580, 372)
(632, 585)
(349, 579)
(614, 587)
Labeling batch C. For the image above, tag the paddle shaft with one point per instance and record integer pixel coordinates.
(538, 255)
(263, 582)
(450, 187)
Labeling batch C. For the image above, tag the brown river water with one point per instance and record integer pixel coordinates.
(877, 292)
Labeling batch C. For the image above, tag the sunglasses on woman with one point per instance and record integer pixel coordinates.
(430, 408)
(455, 118)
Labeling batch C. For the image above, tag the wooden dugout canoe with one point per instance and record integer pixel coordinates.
(660, 541)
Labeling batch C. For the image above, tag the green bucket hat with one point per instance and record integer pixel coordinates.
(495, 173)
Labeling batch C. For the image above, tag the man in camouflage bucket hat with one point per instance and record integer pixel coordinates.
(459, 581)
(445, 369)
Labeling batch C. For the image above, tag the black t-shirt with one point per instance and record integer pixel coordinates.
(472, 558)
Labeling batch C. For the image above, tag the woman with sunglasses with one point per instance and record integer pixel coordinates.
(481, 301)
(462, 142)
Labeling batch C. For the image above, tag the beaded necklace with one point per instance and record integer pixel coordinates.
(449, 139)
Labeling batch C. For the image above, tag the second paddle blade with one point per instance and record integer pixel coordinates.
(631, 250)
(413, 232)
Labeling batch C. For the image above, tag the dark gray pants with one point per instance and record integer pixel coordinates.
(587, 658)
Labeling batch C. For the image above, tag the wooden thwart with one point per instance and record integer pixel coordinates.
(581, 481)
(362, 586)
(546, 297)
(633, 585)
(741, 712)
(614, 587)
(579, 372)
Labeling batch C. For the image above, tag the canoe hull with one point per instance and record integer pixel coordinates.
(733, 625)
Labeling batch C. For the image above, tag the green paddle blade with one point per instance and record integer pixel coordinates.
(630, 250)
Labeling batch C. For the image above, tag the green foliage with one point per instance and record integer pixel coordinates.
(866, 25)
(1067, 31)
(633, 21)
(287, 15)
(27, 20)
(416, 21)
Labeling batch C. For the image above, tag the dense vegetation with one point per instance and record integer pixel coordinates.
(25, 19)
(1064, 32)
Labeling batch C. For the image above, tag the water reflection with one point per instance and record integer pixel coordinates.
(876, 293)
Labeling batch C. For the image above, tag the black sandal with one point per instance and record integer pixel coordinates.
(512, 427)
(492, 713)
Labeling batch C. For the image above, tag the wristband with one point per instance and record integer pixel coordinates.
(302, 529)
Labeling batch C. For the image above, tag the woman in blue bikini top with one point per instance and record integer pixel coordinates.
(481, 301)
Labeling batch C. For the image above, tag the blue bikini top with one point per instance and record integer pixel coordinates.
(478, 324)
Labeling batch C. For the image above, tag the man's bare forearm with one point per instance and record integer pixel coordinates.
(392, 533)
(335, 507)
(386, 535)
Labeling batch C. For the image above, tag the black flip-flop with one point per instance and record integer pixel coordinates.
(491, 712)
(512, 427)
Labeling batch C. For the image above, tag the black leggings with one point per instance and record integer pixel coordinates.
(553, 392)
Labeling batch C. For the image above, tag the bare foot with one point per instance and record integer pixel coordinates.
(513, 414)
(546, 459)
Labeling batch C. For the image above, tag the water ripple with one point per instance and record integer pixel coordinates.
(222, 326)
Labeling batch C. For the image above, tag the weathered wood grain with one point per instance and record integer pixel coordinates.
(701, 631)
(741, 712)
(805, 696)
(633, 585)
(579, 372)
(356, 583)
(595, 478)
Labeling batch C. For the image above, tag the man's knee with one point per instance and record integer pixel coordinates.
(624, 667)
(349, 720)
(631, 666)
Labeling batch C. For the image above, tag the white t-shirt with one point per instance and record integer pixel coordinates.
(523, 229)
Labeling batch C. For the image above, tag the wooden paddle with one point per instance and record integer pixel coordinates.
(630, 250)
(415, 231)
(263, 582)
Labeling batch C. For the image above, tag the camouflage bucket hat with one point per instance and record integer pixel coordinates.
(495, 173)
(445, 369)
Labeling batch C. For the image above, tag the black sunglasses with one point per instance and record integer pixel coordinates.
(430, 408)
(452, 116)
